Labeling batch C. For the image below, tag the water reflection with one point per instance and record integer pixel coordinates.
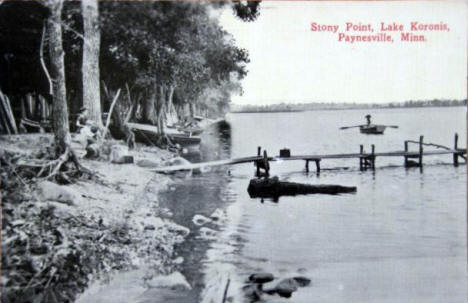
(202, 195)
(388, 242)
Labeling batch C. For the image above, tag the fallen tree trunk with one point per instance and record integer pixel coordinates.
(274, 188)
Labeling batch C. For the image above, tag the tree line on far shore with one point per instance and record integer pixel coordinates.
(291, 107)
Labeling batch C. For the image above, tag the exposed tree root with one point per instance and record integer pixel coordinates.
(63, 169)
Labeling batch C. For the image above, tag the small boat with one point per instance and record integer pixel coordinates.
(191, 131)
(183, 138)
(369, 128)
(372, 129)
(150, 133)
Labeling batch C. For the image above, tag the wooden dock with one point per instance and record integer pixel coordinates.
(366, 160)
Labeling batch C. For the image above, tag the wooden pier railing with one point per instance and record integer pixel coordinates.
(366, 160)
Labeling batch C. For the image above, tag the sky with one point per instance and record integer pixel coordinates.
(291, 63)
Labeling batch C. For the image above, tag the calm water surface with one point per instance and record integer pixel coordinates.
(400, 238)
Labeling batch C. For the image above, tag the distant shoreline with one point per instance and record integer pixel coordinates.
(268, 112)
(316, 107)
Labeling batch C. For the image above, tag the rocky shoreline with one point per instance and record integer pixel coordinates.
(57, 240)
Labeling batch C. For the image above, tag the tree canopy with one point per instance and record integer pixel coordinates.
(144, 44)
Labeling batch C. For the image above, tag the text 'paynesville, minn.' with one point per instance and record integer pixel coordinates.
(351, 32)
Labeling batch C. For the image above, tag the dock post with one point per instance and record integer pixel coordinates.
(259, 150)
(455, 154)
(361, 151)
(266, 164)
(307, 166)
(406, 151)
(373, 157)
(421, 138)
(317, 165)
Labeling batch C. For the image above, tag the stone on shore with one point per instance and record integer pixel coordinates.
(119, 155)
(177, 161)
(218, 215)
(262, 277)
(147, 163)
(207, 233)
(200, 220)
(284, 288)
(48, 191)
(174, 281)
(302, 281)
(252, 292)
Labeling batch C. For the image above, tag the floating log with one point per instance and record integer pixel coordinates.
(273, 188)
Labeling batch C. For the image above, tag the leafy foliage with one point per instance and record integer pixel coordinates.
(167, 43)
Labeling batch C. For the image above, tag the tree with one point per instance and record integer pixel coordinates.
(57, 71)
(90, 67)
(173, 55)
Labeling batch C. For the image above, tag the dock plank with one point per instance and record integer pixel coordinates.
(318, 157)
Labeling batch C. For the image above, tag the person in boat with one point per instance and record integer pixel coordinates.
(368, 118)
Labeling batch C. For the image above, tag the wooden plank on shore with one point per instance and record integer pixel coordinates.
(206, 164)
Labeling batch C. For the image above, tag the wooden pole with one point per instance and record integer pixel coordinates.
(307, 166)
(317, 165)
(455, 154)
(421, 138)
(373, 157)
(226, 290)
(266, 164)
(406, 157)
(259, 150)
(361, 151)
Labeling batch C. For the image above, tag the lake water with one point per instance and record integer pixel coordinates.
(400, 238)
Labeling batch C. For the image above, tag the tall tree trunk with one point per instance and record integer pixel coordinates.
(90, 68)
(171, 113)
(192, 109)
(161, 109)
(150, 115)
(170, 97)
(59, 108)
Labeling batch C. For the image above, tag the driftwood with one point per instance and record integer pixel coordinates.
(7, 119)
(436, 145)
(274, 188)
(106, 127)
